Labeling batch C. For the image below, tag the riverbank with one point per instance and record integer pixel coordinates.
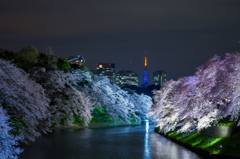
(206, 146)
(100, 125)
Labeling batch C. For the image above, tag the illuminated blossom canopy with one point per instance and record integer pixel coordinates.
(24, 100)
(44, 99)
(8, 143)
(199, 101)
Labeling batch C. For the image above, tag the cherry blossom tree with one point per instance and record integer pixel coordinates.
(228, 87)
(77, 92)
(206, 82)
(162, 110)
(189, 99)
(24, 100)
(53, 97)
(122, 106)
(142, 104)
(8, 143)
(112, 99)
(116, 102)
(201, 100)
(66, 99)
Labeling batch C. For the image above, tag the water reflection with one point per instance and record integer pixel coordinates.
(163, 148)
(147, 154)
(129, 142)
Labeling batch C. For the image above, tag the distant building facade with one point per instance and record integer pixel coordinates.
(159, 77)
(107, 70)
(126, 78)
(79, 60)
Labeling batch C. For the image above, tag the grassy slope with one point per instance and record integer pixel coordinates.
(227, 146)
(99, 116)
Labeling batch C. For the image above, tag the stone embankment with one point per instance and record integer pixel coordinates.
(220, 131)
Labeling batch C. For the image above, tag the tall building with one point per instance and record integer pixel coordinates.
(159, 77)
(145, 77)
(79, 60)
(107, 70)
(126, 78)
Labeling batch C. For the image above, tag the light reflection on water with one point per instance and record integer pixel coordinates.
(129, 142)
(166, 149)
(147, 154)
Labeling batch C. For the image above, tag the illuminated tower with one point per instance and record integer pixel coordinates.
(145, 78)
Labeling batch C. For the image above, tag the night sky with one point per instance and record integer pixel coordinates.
(177, 35)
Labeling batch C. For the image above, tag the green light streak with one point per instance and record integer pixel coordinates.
(212, 142)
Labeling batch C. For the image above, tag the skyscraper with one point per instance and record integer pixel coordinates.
(159, 77)
(107, 70)
(145, 78)
(126, 78)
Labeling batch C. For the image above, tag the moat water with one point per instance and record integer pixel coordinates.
(126, 142)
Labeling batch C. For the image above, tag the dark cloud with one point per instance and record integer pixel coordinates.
(178, 35)
(61, 18)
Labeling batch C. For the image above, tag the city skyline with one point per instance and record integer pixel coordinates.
(140, 84)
